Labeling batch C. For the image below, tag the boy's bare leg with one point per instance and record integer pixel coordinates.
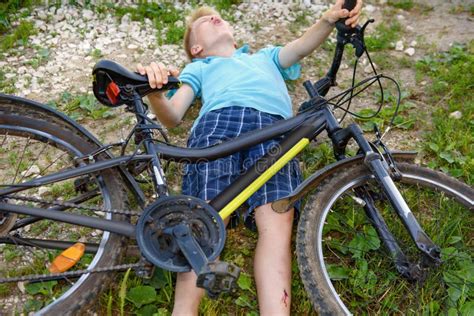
(272, 263)
(187, 295)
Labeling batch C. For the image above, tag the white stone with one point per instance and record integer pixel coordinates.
(369, 8)
(456, 115)
(399, 46)
(132, 46)
(42, 15)
(413, 43)
(42, 191)
(410, 28)
(22, 70)
(400, 17)
(87, 14)
(410, 51)
(33, 170)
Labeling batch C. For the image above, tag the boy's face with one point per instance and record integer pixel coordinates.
(210, 30)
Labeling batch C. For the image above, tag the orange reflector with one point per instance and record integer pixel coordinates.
(112, 92)
(68, 258)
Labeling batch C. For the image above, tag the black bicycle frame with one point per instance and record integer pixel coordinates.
(305, 125)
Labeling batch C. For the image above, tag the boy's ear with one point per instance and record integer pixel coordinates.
(196, 50)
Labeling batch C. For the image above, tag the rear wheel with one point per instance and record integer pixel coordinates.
(34, 143)
(345, 268)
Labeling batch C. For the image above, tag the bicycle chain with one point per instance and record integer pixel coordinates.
(71, 205)
(48, 277)
(44, 277)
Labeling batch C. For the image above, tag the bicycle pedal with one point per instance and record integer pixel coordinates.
(218, 277)
(68, 258)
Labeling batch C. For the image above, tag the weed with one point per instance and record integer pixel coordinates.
(96, 54)
(40, 59)
(6, 85)
(83, 106)
(402, 4)
(384, 37)
(404, 120)
(223, 5)
(8, 9)
(19, 35)
(450, 141)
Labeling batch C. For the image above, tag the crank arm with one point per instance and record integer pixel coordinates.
(216, 277)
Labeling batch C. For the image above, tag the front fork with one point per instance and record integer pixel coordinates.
(379, 169)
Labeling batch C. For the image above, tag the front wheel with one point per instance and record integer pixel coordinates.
(345, 268)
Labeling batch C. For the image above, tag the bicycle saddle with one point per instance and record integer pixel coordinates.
(110, 79)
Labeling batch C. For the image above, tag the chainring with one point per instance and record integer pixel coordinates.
(157, 244)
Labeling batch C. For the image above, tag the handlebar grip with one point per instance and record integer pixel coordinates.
(349, 4)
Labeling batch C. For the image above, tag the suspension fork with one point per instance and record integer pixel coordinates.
(374, 162)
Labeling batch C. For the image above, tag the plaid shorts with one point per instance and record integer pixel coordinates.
(206, 180)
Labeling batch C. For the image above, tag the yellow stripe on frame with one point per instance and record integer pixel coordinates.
(264, 177)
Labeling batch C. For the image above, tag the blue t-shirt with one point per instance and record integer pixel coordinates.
(251, 80)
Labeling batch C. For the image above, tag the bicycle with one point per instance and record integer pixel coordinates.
(72, 170)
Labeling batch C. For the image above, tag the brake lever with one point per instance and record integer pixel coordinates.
(353, 36)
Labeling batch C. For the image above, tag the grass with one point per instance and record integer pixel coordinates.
(6, 85)
(450, 141)
(384, 37)
(402, 4)
(19, 36)
(367, 281)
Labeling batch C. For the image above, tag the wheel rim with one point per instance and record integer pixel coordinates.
(327, 253)
(22, 140)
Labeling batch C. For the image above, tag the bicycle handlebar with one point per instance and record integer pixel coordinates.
(349, 4)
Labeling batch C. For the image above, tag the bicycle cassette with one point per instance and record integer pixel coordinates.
(156, 237)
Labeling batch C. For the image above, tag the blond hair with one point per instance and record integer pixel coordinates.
(196, 14)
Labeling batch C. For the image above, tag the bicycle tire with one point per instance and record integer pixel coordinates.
(337, 253)
(23, 121)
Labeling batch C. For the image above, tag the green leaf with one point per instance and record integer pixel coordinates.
(244, 282)
(447, 156)
(147, 310)
(452, 312)
(141, 295)
(456, 172)
(162, 312)
(44, 288)
(454, 294)
(454, 239)
(362, 243)
(337, 272)
(32, 305)
(467, 309)
(158, 280)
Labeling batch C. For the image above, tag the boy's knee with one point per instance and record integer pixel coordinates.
(268, 220)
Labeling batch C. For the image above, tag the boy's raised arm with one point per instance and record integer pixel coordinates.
(169, 111)
(317, 33)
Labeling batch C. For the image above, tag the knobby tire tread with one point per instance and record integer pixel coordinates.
(86, 296)
(315, 284)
